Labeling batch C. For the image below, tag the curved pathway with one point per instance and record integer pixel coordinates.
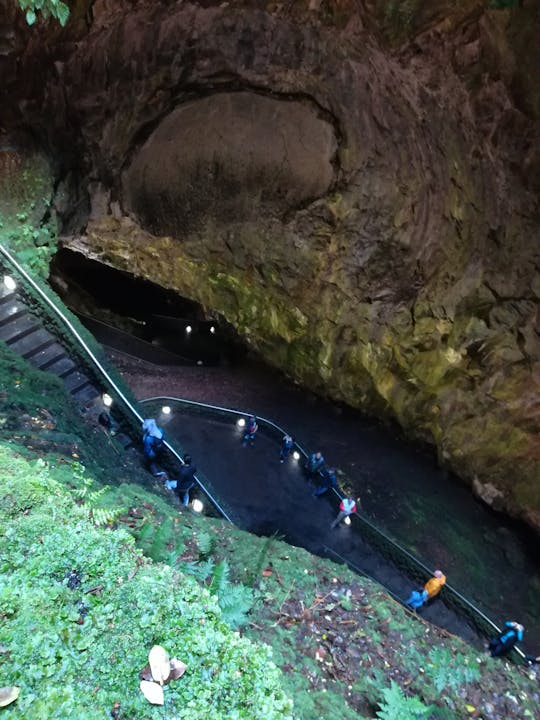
(263, 496)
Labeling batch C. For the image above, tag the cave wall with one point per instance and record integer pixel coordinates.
(355, 190)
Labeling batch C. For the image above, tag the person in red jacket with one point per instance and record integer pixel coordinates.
(251, 431)
(346, 507)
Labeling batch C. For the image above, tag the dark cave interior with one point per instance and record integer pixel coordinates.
(142, 309)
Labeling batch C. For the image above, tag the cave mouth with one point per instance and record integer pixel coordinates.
(106, 299)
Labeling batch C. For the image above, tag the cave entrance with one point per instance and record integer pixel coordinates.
(116, 306)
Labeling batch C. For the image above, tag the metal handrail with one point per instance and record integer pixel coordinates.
(361, 518)
(101, 370)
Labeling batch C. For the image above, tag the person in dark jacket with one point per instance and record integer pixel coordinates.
(314, 465)
(287, 445)
(505, 641)
(153, 438)
(106, 420)
(186, 480)
(251, 431)
(329, 481)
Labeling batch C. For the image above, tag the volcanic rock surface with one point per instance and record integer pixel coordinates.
(354, 186)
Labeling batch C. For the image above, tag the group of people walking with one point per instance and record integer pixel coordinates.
(325, 479)
(153, 441)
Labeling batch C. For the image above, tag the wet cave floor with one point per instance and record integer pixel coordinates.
(402, 489)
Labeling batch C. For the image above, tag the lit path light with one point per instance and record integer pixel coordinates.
(197, 506)
(166, 410)
(212, 329)
(107, 399)
(241, 423)
(188, 329)
(9, 282)
(296, 455)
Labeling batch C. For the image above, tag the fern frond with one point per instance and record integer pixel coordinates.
(220, 579)
(205, 544)
(158, 550)
(235, 604)
(397, 706)
(200, 570)
(253, 577)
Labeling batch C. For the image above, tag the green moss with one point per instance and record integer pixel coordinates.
(86, 649)
(26, 189)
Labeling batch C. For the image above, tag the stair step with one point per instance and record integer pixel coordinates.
(6, 295)
(10, 311)
(75, 381)
(32, 343)
(18, 328)
(86, 395)
(47, 355)
(62, 367)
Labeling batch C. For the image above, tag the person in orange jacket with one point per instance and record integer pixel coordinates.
(434, 584)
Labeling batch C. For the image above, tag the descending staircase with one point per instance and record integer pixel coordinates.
(24, 333)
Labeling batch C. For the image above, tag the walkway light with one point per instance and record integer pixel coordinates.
(9, 282)
(188, 329)
(241, 423)
(296, 455)
(347, 520)
(212, 329)
(197, 506)
(166, 410)
(107, 399)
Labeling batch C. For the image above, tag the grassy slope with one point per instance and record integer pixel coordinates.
(338, 639)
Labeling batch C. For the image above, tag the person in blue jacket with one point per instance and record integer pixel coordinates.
(505, 641)
(287, 445)
(153, 438)
(314, 465)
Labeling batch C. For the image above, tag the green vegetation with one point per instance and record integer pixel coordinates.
(47, 8)
(81, 608)
(26, 223)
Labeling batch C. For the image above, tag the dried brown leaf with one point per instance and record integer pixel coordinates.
(146, 673)
(178, 668)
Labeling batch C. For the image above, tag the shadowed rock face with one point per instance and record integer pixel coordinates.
(357, 194)
(229, 155)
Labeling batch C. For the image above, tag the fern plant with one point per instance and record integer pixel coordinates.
(397, 706)
(89, 499)
(450, 671)
(235, 600)
(252, 576)
(205, 544)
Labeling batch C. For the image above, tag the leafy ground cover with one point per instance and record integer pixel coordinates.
(91, 579)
